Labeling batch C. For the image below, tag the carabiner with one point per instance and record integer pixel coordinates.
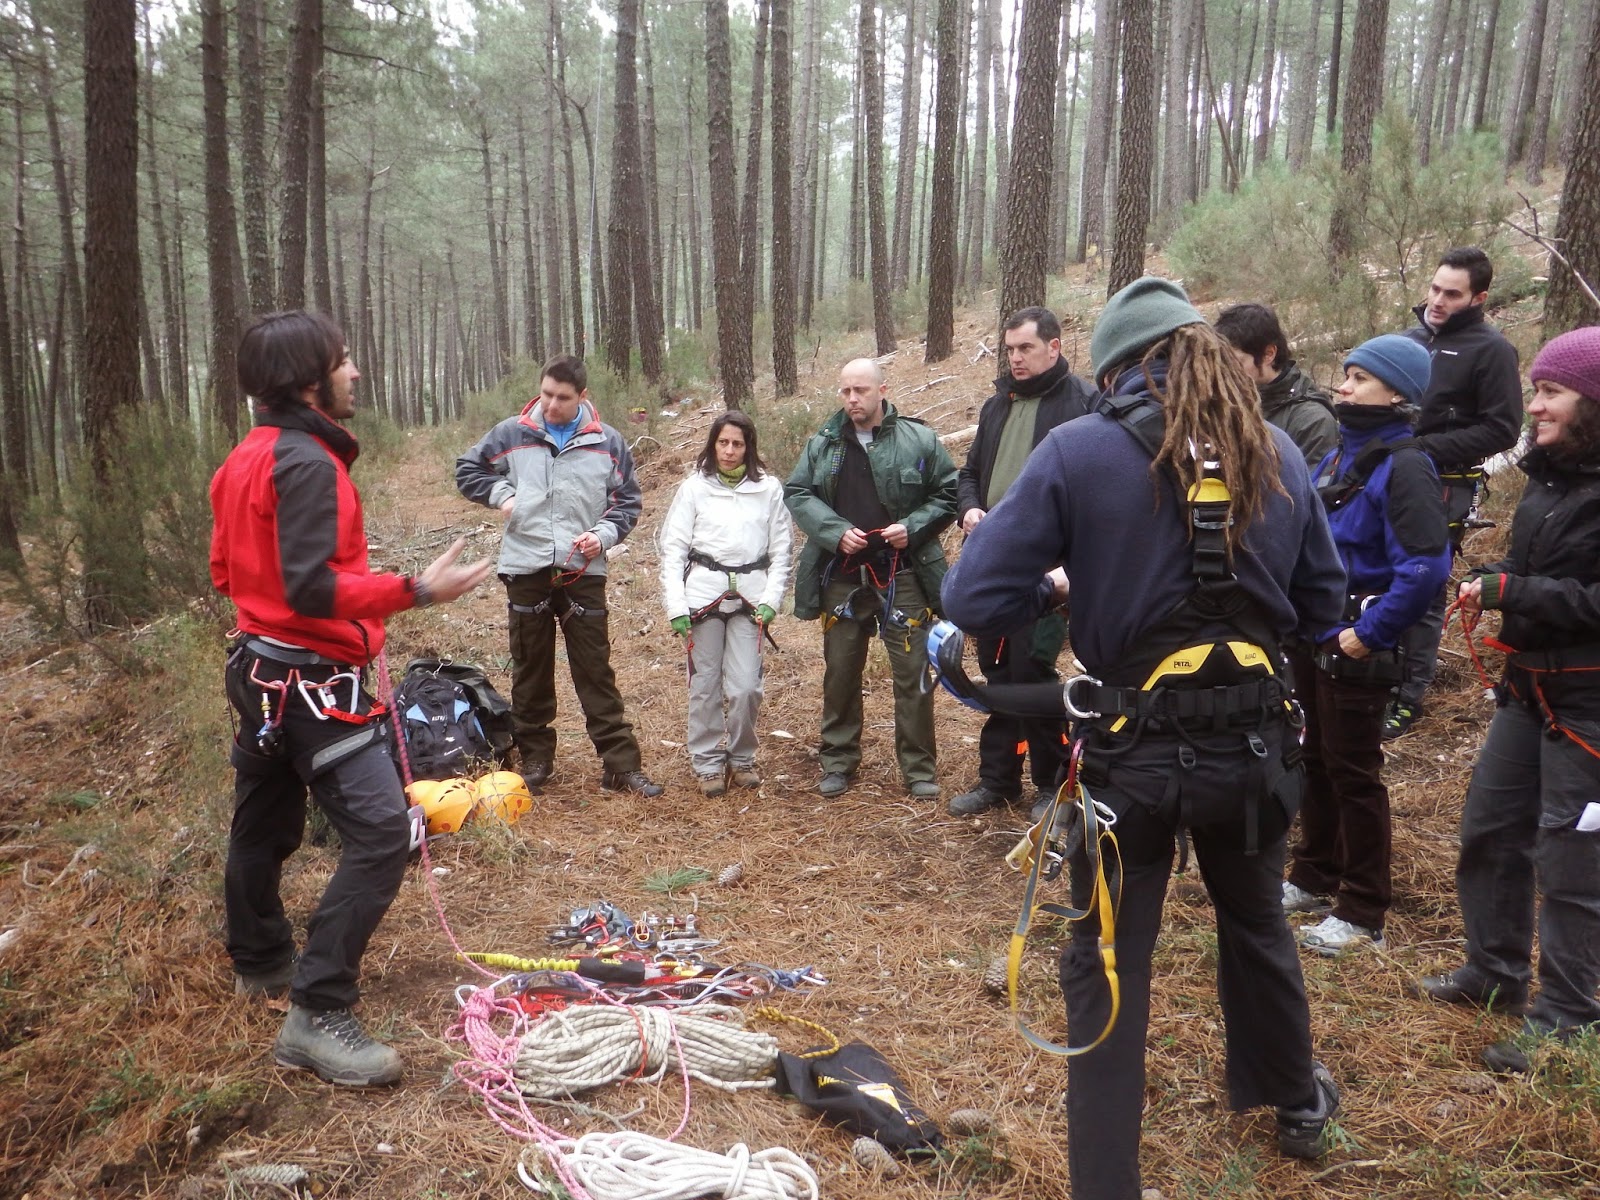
(1082, 714)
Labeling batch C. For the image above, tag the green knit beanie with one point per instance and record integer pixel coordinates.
(1136, 318)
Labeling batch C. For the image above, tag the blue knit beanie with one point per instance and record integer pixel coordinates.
(1399, 362)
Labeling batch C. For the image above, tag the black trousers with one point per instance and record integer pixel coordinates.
(1006, 743)
(355, 783)
(1344, 849)
(1267, 1027)
(579, 608)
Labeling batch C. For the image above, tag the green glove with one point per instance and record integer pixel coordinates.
(765, 615)
(680, 626)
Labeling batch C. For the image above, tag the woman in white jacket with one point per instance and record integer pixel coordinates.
(726, 545)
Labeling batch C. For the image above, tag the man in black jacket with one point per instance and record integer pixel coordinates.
(1471, 411)
(1037, 393)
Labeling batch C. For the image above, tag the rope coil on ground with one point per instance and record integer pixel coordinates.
(579, 1049)
(635, 1166)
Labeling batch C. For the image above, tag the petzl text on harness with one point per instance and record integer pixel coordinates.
(856, 1088)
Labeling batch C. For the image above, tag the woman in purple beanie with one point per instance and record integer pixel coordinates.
(1531, 824)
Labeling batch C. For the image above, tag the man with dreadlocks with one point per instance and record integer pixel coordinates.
(1184, 715)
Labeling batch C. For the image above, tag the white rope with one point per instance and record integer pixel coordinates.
(635, 1166)
(582, 1048)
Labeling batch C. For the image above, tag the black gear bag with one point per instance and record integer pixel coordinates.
(455, 722)
(855, 1087)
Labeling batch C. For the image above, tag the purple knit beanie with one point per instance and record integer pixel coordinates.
(1572, 360)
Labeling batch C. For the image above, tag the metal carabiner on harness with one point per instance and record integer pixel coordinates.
(1082, 714)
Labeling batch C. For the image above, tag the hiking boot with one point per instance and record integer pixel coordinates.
(713, 785)
(1334, 935)
(979, 799)
(335, 1047)
(746, 777)
(630, 781)
(271, 984)
(1303, 1132)
(1398, 719)
(833, 783)
(922, 789)
(536, 776)
(1298, 900)
(1464, 986)
(1505, 1058)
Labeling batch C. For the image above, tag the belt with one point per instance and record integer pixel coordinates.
(293, 656)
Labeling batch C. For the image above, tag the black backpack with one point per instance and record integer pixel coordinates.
(455, 721)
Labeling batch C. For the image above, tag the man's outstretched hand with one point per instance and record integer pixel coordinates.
(445, 579)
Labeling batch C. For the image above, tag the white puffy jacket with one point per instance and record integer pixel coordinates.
(732, 526)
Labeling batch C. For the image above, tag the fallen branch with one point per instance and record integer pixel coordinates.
(1554, 251)
(932, 383)
(983, 351)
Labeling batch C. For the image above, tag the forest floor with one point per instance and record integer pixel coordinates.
(128, 1067)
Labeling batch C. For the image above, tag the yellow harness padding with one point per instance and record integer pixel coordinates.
(1029, 855)
(1191, 660)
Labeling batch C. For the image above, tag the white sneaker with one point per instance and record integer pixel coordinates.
(1297, 899)
(1332, 936)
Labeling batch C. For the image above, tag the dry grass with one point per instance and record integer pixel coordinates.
(128, 1068)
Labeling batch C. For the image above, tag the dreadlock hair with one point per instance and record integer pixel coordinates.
(1213, 412)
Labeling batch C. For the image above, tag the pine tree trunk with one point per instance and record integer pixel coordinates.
(1448, 116)
(906, 159)
(296, 139)
(749, 224)
(1175, 160)
(695, 222)
(65, 205)
(1002, 118)
(574, 265)
(942, 213)
(784, 372)
(733, 318)
(1303, 121)
(1097, 142)
(1566, 304)
(1136, 146)
(651, 180)
(1269, 70)
(858, 138)
(1576, 84)
(115, 568)
(253, 156)
(1362, 98)
(1529, 73)
(500, 347)
(1481, 99)
(157, 395)
(1539, 134)
(222, 239)
(1335, 57)
(533, 330)
(1026, 241)
(877, 220)
(555, 339)
(978, 177)
(1424, 111)
(317, 192)
(1061, 155)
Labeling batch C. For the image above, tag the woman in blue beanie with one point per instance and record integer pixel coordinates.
(1387, 512)
(1531, 823)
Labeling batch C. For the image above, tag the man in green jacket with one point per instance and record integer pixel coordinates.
(1289, 399)
(872, 492)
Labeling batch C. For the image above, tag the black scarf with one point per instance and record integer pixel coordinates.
(1371, 416)
(1038, 385)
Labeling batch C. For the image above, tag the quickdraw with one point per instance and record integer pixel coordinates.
(1042, 853)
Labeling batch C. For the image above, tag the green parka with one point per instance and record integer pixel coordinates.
(915, 479)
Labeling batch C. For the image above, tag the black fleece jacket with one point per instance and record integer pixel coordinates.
(1064, 398)
(1472, 409)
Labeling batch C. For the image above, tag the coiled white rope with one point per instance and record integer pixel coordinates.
(582, 1048)
(635, 1166)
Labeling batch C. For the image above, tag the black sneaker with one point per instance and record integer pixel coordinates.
(271, 984)
(630, 781)
(1303, 1132)
(1398, 719)
(1465, 986)
(335, 1047)
(980, 799)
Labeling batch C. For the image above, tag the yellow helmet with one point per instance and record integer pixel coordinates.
(447, 803)
(503, 795)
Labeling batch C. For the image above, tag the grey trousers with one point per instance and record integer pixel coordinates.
(724, 693)
(1519, 841)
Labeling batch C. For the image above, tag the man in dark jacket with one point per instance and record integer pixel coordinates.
(872, 492)
(1289, 399)
(1471, 412)
(1037, 393)
(288, 548)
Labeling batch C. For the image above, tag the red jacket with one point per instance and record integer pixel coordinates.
(288, 546)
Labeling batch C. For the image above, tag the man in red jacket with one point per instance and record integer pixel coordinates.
(289, 549)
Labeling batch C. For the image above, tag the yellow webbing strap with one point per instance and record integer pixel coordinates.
(1030, 855)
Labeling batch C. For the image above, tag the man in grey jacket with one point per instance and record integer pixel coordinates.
(564, 482)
